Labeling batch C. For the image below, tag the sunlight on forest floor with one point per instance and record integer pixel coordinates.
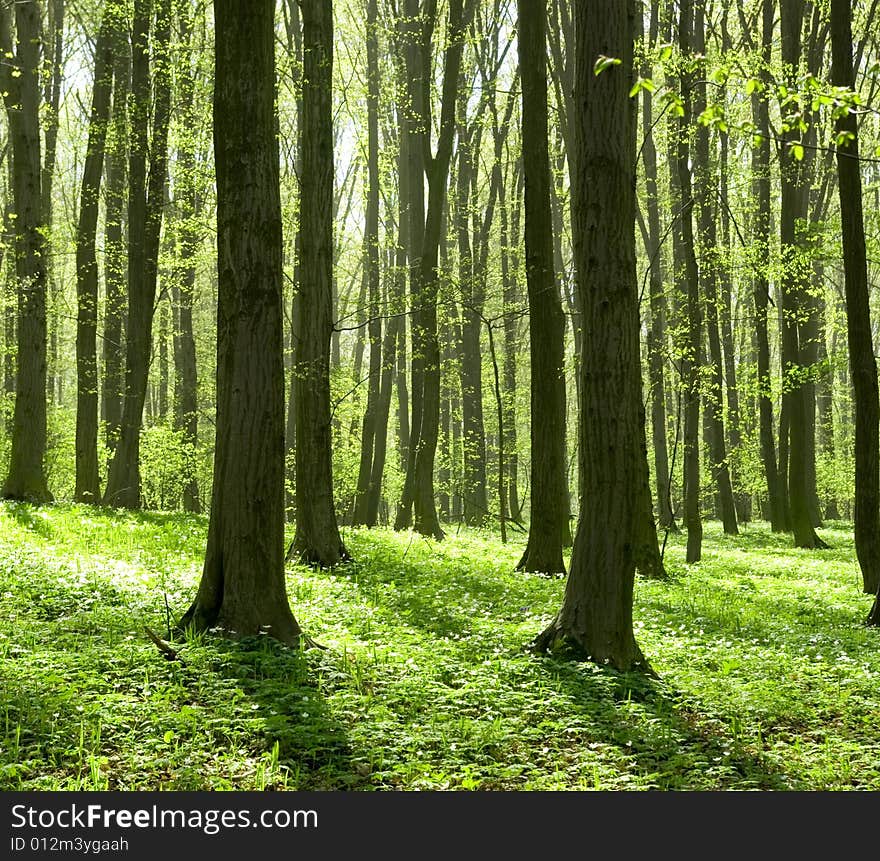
(768, 677)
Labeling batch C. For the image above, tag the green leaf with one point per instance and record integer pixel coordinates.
(603, 62)
(797, 151)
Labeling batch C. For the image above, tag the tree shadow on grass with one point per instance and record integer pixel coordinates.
(281, 684)
(26, 516)
(666, 738)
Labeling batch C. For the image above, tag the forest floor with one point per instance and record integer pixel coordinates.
(768, 678)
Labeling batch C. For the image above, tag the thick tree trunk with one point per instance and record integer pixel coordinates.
(145, 204)
(242, 591)
(543, 551)
(595, 619)
(317, 540)
(87, 482)
(26, 479)
(863, 366)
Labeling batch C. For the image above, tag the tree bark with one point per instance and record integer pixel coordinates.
(370, 426)
(26, 479)
(863, 366)
(713, 396)
(793, 206)
(692, 348)
(242, 591)
(761, 190)
(595, 620)
(543, 551)
(146, 200)
(317, 540)
(115, 300)
(188, 206)
(87, 481)
(656, 346)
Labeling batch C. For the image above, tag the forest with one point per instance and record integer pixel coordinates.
(439, 394)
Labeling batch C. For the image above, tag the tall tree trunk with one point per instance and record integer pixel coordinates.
(412, 37)
(242, 591)
(87, 482)
(317, 540)
(543, 551)
(115, 300)
(794, 200)
(690, 361)
(188, 207)
(370, 427)
(761, 189)
(53, 76)
(26, 479)
(595, 620)
(713, 399)
(863, 366)
(510, 299)
(474, 494)
(418, 494)
(657, 298)
(146, 200)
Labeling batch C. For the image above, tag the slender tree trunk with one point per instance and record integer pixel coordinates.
(370, 427)
(187, 203)
(863, 366)
(26, 479)
(693, 347)
(510, 299)
(708, 233)
(543, 551)
(794, 200)
(87, 482)
(761, 190)
(595, 620)
(114, 242)
(242, 591)
(145, 205)
(317, 540)
(53, 76)
(657, 298)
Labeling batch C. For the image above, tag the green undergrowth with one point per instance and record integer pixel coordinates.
(768, 678)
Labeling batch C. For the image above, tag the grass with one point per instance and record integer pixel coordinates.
(768, 677)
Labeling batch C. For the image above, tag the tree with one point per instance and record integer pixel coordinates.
(187, 199)
(371, 427)
(26, 479)
(863, 366)
(691, 346)
(709, 272)
(317, 540)
(546, 321)
(595, 619)
(242, 590)
(146, 202)
(424, 243)
(87, 481)
(794, 182)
